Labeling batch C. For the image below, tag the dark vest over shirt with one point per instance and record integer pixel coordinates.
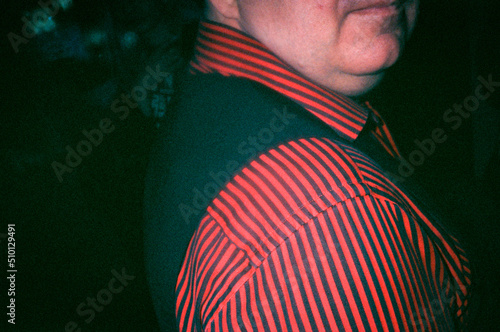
(204, 145)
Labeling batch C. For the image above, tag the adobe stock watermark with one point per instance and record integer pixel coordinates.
(40, 20)
(121, 108)
(250, 147)
(87, 310)
(454, 117)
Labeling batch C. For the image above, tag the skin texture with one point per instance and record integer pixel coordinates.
(338, 44)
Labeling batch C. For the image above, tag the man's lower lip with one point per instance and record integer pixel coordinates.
(378, 11)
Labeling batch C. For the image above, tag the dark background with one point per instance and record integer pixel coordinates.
(70, 235)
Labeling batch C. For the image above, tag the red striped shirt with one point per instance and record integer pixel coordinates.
(311, 235)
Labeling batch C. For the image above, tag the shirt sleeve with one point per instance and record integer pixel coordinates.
(299, 241)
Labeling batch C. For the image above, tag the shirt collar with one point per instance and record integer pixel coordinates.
(230, 52)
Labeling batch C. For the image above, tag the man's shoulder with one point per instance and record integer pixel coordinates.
(216, 102)
(216, 88)
(219, 119)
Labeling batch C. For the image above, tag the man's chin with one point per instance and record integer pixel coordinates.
(374, 56)
(357, 85)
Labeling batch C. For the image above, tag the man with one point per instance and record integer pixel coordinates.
(282, 181)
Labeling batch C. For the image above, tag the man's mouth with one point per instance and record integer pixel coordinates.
(379, 8)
